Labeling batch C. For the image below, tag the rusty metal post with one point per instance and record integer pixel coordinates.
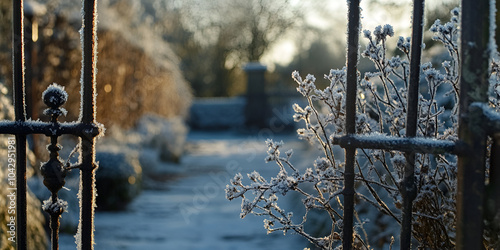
(351, 91)
(475, 55)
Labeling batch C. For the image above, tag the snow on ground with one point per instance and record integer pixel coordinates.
(187, 208)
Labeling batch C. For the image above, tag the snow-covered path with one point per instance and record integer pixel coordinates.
(190, 211)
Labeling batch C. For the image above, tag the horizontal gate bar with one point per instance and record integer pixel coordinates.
(403, 144)
(50, 129)
(490, 120)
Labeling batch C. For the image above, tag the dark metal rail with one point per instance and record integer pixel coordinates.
(351, 91)
(20, 116)
(409, 189)
(475, 54)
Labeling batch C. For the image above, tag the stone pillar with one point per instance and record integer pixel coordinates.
(256, 108)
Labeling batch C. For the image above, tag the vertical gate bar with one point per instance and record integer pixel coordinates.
(351, 90)
(87, 169)
(18, 98)
(475, 55)
(408, 188)
(492, 203)
(89, 61)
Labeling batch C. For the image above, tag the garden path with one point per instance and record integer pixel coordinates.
(186, 207)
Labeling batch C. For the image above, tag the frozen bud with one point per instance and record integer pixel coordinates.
(296, 76)
(435, 27)
(269, 158)
(388, 30)
(269, 142)
(231, 192)
(273, 198)
(297, 109)
(268, 224)
(378, 31)
(308, 175)
(246, 207)
(310, 78)
(401, 41)
(426, 66)
(367, 34)
(395, 62)
(322, 163)
(237, 180)
(255, 177)
(446, 64)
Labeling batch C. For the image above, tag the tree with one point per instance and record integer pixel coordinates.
(218, 37)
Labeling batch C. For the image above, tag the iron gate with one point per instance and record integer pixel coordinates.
(476, 122)
(86, 128)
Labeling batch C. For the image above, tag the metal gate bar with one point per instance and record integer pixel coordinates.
(88, 114)
(86, 128)
(408, 186)
(475, 54)
(20, 117)
(350, 125)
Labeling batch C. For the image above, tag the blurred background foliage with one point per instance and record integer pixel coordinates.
(155, 55)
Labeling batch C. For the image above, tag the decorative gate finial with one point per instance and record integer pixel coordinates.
(54, 171)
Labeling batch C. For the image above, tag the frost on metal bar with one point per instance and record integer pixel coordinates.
(403, 144)
(49, 129)
(87, 192)
(20, 116)
(353, 31)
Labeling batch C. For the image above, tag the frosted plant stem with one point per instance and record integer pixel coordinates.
(374, 194)
(326, 145)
